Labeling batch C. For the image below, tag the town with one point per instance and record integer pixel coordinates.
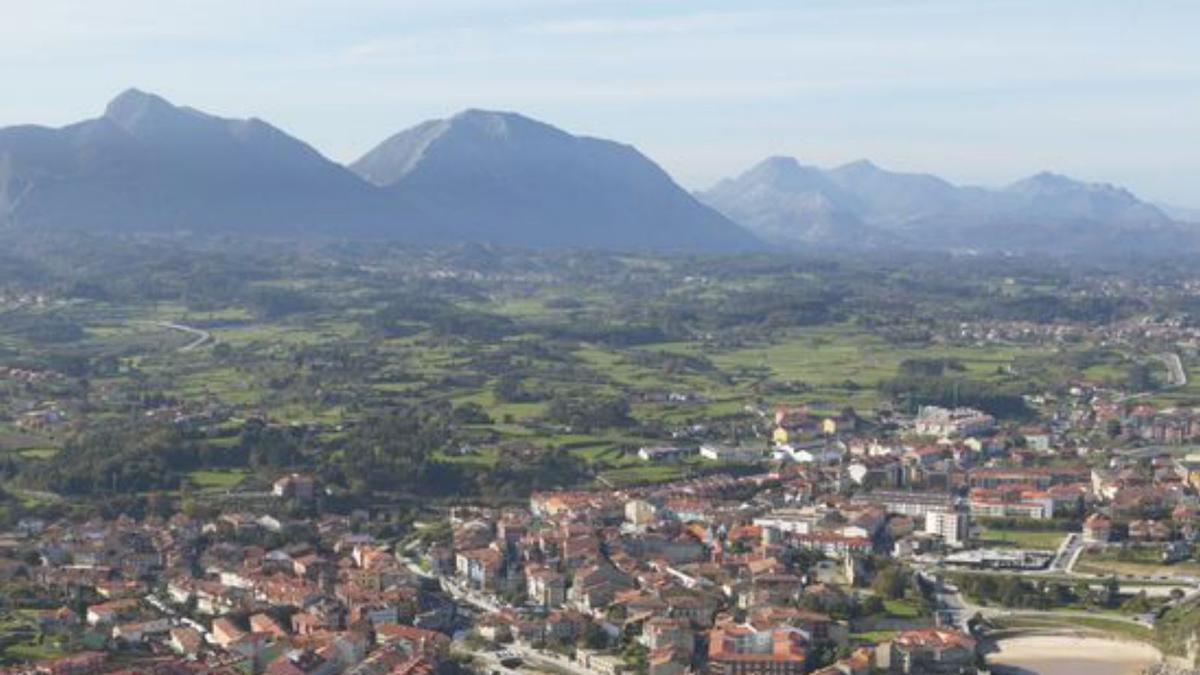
(838, 549)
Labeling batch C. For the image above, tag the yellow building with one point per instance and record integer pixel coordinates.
(1192, 464)
(780, 436)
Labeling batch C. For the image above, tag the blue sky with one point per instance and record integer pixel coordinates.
(979, 91)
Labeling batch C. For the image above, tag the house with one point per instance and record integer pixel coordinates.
(944, 422)
(265, 623)
(730, 454)
(743, 650)
(916, 504)
(565, 626)
(951, 526)
(480, 568)
(933, 651)
(295, 486)
(1097, 529)
(301, 662)
(139, 630)
(696, 608)
(813, 452)
(1149, 530)
(413, 640)
(667, 662)
(833, 544)
(225, 632)
(1010, 502)
(51, 621)
(640, 513)
(664, 454)
(663, 633)
(876, 472)
(186, 641)
(545, 587)
(83, 663)
(108, 613)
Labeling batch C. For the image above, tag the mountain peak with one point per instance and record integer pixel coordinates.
(1049, 178)
(502, 177)
(1048, 182)
(501, 124)
(483, 114)
(859, 166)
(134, 105)
(780, 161)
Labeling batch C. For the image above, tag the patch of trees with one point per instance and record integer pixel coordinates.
(671, 362)
(782, 305)
(116, 459)
(1140, 377)
(398, 317)
(512, 478)
(273, 302)
(586, 413)
(124, 455)
(393, 450)
(1044, 308)
(45, 328)
(1013, 591)
(930, 367)
(511, 388)
(613, 335)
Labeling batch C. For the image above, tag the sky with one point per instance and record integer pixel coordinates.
(977, 91)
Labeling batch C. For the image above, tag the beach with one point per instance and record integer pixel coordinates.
(1072, 655)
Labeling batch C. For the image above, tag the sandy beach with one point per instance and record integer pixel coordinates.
(1072, 655)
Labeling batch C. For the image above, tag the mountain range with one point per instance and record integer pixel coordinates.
(147, 165)
(861, 205)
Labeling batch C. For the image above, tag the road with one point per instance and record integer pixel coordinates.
(490, 660)
(201, 337)
(1176, 375)
(957, 610)
(40, 495)
(1068, 552)
(469, 597)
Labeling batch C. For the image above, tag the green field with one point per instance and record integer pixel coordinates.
(902, 609)
(1112, 627)
(516, 354)
(218, 480)
(1027, 539)
(1144, 561)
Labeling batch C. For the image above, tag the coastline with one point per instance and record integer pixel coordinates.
(1067, 652)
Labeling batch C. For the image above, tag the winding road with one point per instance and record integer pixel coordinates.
(1176, 375)
(201, 337)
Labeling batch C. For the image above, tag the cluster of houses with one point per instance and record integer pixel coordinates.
(759, 571)
(694, 574)
(190, 596)
(29, 375)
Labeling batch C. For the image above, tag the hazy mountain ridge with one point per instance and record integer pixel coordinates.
(149, 166)
(506, 178)
(790, 204)
(146, 165)
(1180, 213)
